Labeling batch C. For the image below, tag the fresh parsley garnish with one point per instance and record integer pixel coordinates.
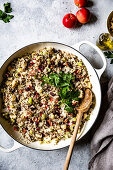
(58, 80)
(66, 89)
(7, 7)
(68, 108)
(4, 16)
(7, 18)
(109, 54)
(67, 95)
(111, 61)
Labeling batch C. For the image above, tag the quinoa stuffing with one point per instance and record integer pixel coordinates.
(40, 93)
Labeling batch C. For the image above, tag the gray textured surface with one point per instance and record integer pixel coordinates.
(41, 20)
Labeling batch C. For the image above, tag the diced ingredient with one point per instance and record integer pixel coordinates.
(43, 116)
(31, 132)
(14, 83)
(30, 100)
(51, 116)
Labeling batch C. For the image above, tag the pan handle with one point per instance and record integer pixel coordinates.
(14, 147)
(99, 71)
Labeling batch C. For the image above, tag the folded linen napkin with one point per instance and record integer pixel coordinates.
(102, 141)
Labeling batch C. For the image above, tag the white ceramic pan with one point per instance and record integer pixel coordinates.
(95, 76)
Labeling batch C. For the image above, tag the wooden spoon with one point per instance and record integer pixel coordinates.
(84, 107)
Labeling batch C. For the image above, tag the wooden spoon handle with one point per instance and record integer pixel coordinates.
(79, 117)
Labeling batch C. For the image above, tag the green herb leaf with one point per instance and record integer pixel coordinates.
(45, 79)
(63, 84)
(77, 93)
(68, 102)
(63, 92)
(43, 83)
(111, 61)
(68, 105)
(54, 79)
(76, 98)
(7, 8)
(67, 77)
(2, 15)
(109, 54)
(7, 18)
(68, 108)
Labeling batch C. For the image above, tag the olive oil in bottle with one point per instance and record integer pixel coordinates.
(105, 41)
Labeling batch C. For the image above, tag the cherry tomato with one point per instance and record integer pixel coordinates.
(69, 20)
(49, 121)
(15, 128)
(83, 15)
(40, 114)
(46, 106)
(80, 3)
(51, 99)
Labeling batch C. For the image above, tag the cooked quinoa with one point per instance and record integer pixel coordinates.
(41, 91)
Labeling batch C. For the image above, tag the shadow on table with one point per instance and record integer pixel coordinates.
(90, 3)
(92, 20)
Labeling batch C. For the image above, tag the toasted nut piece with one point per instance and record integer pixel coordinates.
(38, 89)
(63, 126)
(13, 98)
(14, 83)
(51, 116)
(89, 85)
(19, 69)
